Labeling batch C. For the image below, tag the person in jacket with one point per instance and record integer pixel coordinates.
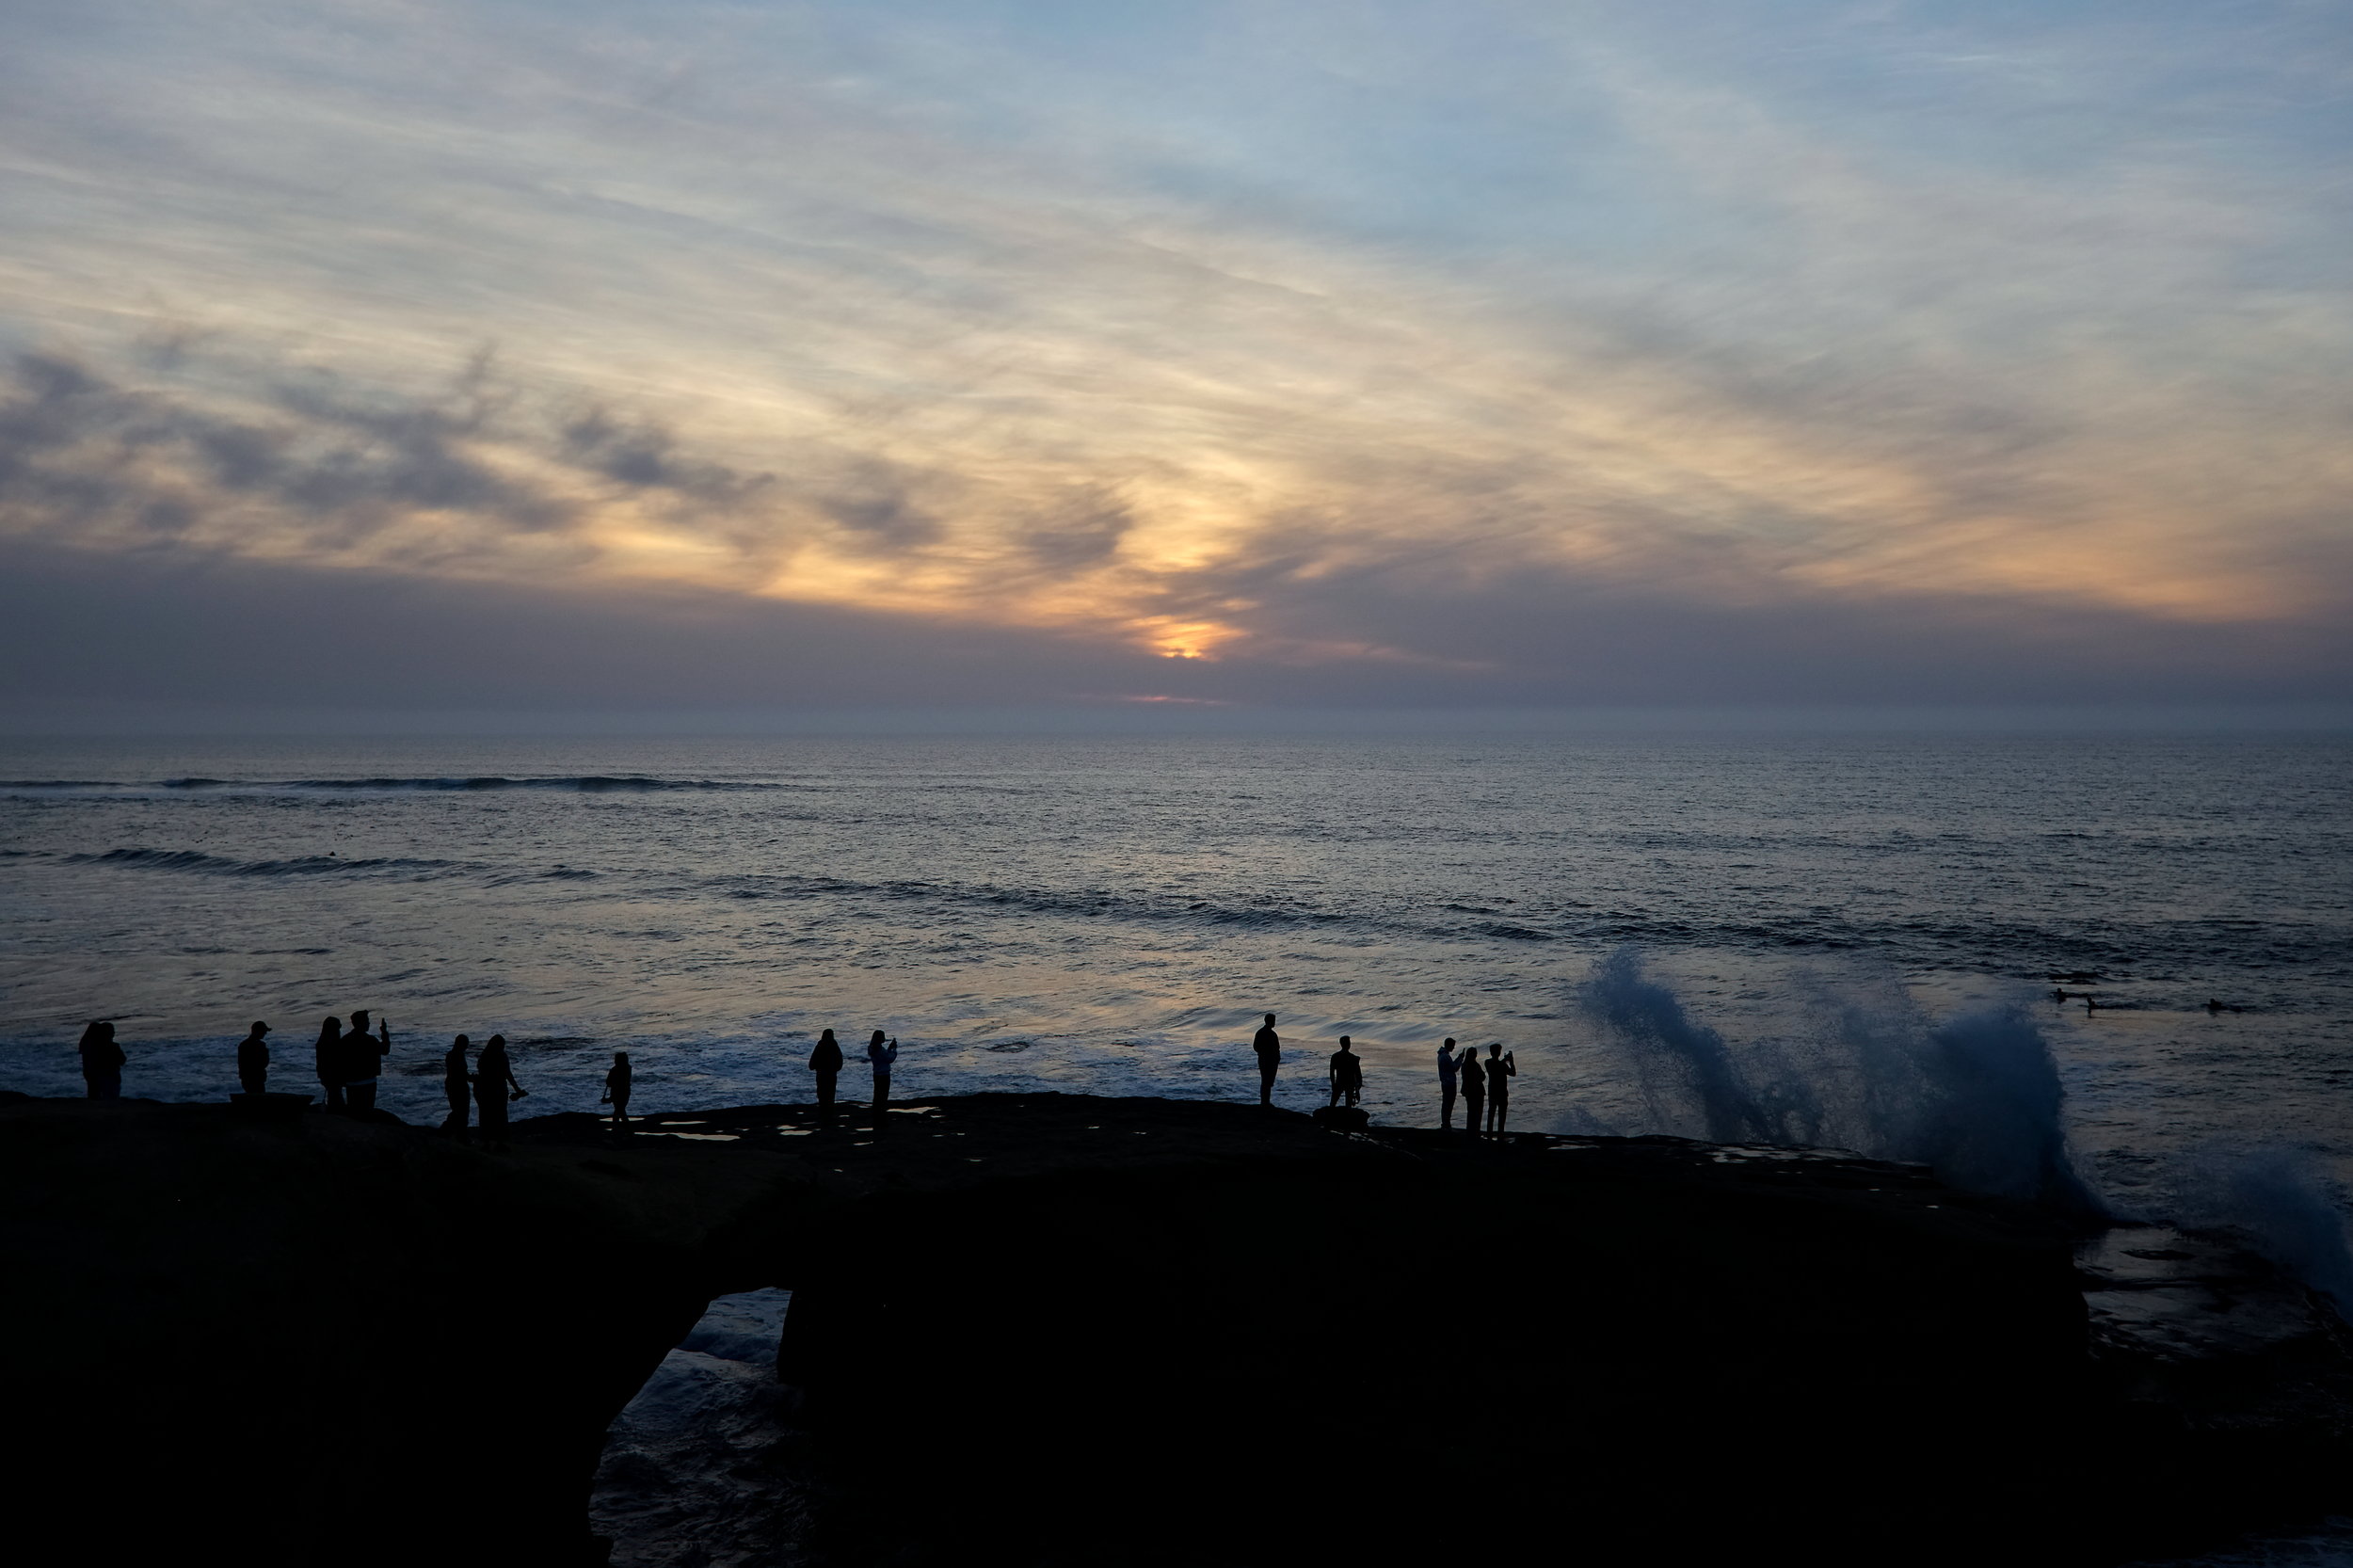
(1448, 1068)
(364, 1059)
(616, 1083)
(493, 1087)
(1269, 1045)
(101, 1062)
(825, 1061)
(457, 1086)
(882, 1056)
(1501, 1071)
(253, 1060)
(330, 1060)
(1348, 1074)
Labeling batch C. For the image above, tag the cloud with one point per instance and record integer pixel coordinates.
(1259, 346)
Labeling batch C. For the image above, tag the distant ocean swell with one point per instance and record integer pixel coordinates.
(455, 784)
(580, 784)
(2018, 949)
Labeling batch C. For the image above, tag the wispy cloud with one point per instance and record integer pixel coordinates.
(1223, 337)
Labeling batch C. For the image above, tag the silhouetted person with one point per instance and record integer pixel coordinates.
(2214, 1004)
(1269, 1045)
(1474, 1091)
(882, 1056)
(330, 1061)
(2090, 1006)
(457, 1085)
(1501, 1070)
(825, 1061)
(253, 1060)
(2058, 996)
(363, 1058)
(1348, 1074)
(493, 1087)
(617, 1090)
(101, 1062)
(1448, 1069)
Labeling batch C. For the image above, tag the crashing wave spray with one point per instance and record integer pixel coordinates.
(2280, 1200)
(1976, 1096)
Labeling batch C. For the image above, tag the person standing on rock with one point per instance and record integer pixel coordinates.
(493, 1087)
(1501, 1070)
(1269, 1045)
(457, 1086)
(1348, 1074)
(101, 1062)
(330, 1059)
(253, 1060)
(363, 1058)
(617, 1090)
(1474, 1091)
(882, 1056)
(1448, 1068)
(825, 1061)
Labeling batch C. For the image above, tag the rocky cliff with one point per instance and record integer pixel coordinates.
(1053, 1329)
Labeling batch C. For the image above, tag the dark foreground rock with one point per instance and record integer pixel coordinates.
(1052, 1329)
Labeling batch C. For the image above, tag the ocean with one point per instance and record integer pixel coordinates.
(1745, 938)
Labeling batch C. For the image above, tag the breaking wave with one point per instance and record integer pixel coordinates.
(2280, 1200)
(1976, 1096)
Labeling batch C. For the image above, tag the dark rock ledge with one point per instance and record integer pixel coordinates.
(1055, 1329)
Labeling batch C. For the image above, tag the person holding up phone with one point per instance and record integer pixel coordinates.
(1501, 1070)
(882, 1056)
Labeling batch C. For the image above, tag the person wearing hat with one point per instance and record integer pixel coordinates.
(253, 1060)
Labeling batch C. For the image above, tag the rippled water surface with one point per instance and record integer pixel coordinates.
(1112, 915)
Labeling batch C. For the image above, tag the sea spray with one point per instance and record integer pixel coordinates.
(2278, 1199)
(1676, 1062)
(1976, 1096)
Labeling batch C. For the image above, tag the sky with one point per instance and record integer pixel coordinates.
(370, 358)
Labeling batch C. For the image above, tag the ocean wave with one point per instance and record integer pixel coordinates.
(443, 784)
(576, 784)
(301, 865)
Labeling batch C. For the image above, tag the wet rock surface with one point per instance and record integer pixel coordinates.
(1051, 1329)
(706, 1467)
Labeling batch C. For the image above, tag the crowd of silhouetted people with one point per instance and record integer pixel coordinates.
(1484, 1086)
(349, 1060)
